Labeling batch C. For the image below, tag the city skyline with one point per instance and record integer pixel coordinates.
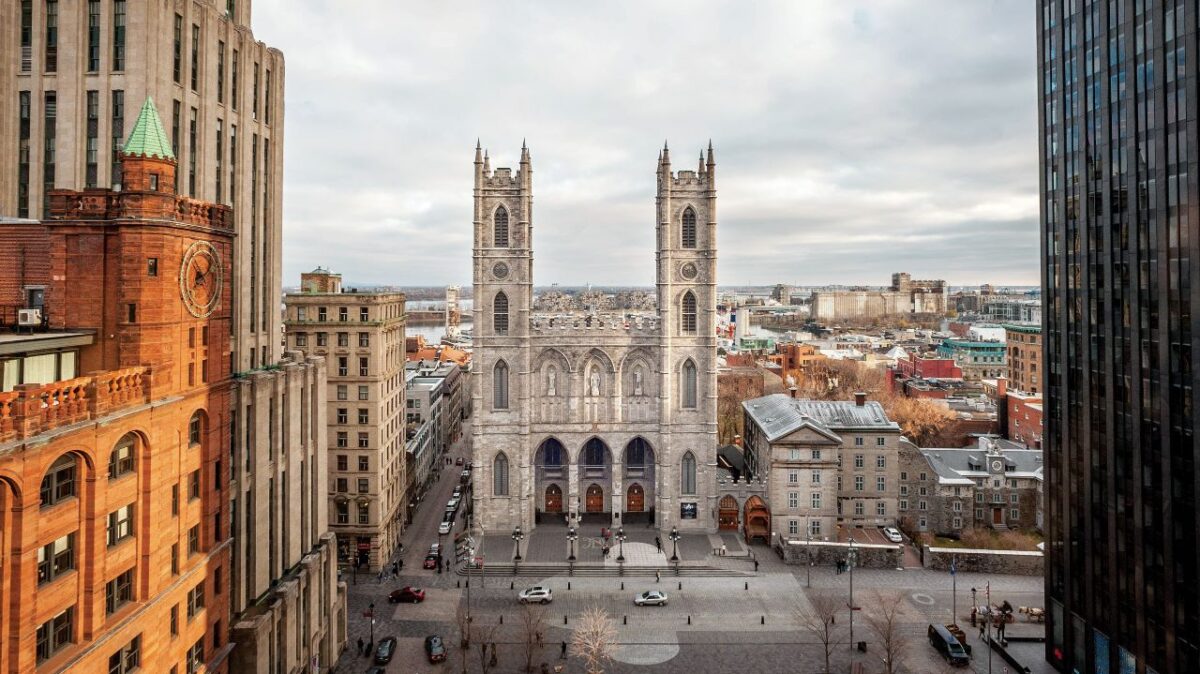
(893, 145)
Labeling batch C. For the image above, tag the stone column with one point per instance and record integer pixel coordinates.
(618, 493)
(572, 495)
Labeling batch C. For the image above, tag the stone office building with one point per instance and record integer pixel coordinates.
(361, 335)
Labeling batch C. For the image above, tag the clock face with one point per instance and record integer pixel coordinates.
(200, 279)
(500, 270)
(688, 271)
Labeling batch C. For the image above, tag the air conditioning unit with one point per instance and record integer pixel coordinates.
(29, 317)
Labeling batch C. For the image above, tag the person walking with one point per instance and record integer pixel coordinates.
(723, 550)
(658, 543)
(360, 646)
(564, 650)
(657, 576)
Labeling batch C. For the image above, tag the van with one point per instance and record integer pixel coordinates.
(945, 643)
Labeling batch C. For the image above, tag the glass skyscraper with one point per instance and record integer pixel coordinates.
(1118, 151)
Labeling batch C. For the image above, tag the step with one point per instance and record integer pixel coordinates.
(601, 571)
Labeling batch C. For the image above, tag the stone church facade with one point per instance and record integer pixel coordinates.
(594, 416)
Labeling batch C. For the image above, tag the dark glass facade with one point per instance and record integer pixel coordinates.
(1119, 224)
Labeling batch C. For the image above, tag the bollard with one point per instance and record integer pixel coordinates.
(501, 618)
(747, 586)
(622, 585)
(564, 620)
(568, 585)
(762, 620)
(511, 586)
(689, 620)
(625, 620)
(681, 585)
(458, 584)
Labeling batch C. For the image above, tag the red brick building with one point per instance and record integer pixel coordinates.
(113, 426)
(920, 377)
(1024, 418)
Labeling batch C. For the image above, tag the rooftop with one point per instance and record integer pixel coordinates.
(148, 139)
(779, 415)
(13, 343)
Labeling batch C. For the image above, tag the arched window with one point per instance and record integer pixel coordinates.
(121, 461)
(689, 384)
(688, 231)
(500, 386)
(687, 474)
(500, 228)
(196, 429)
(500, 314)
(59, 482)
(500, 475)
(687, 316)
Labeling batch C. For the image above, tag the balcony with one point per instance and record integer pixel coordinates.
(32, 409)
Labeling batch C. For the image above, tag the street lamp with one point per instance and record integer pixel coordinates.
(621, 543)
(851, 558)
(674, 536)
(517, 536)
(372, 607)
(572, 536)
(808, 549)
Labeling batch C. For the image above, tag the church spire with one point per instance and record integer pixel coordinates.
(148, 139)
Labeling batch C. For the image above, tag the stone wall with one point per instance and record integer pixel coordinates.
(828, 554)
(1017, 562)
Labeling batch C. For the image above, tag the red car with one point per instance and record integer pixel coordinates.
(431, 561)
(407, 594)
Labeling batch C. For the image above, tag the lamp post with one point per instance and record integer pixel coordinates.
(808, 549)
(674, 536)
(372, 607)
(851, 558)
(517, 536)
(572, 536)
(621, 544)
(974, 607)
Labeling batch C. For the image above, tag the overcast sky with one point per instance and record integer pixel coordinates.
(852, 139)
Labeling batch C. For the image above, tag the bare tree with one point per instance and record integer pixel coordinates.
(594, 639)
(821, 620)
(533, 632)
(885, 623)
(463, 622)
(486, 637)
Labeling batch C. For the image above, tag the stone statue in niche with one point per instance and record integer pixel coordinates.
(637, 382)
(551, 381)
(594, 382)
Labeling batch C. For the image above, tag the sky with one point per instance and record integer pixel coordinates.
(852, 138)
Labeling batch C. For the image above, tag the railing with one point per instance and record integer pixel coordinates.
(31, 409)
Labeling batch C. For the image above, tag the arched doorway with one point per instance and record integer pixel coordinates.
(758, 520)
(553, 499)
(635, 499)
(727, 513)
(594, 500)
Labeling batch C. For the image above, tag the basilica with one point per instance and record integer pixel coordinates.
(595, 414)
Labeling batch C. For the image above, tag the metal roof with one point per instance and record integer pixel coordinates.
(779, 415)
(148, 139)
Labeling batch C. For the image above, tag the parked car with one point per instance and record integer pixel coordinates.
(893, 534)
(452, 504)
(435, 650)
(650, 598)
(535, 595)
(457, 491)
(407, 594)
(431, 561)
(445, 526)
(458, 462)
(377, 670)
(465, 476)
(385, 651)
(944, 642)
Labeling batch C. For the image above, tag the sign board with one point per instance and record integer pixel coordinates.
(687, 511)
(364, 547)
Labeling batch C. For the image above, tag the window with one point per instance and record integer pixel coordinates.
(364, 314)
(341, 462)
(55, 559)
(904, 504)
(500, 386)
(26, 35)
(233, 80)
(793, 499)
(500, 314)
(814, 528)
(858, 442)
(1014, 514)
(500, 228)
(49, 138)
(128, 659)
(174, 559)
(118, 35)
(687, 314)
(175, 500)
(120, 462)
(343, 415)
(816, 477)
(343, 361)
(793, 477)
(120, 524)
(880, 462)
(793, 526)
(196, 600)
(689, 384)
(92, 149)
(922, 477)
(364, 339)
(220, 71)
(364, 485)
(364, 441)
(687, 477)
(219, 173)
(195, 429)
(51, 36)
(922, 523)
(195, 656)
(341, 484)
(343, 316)
(59, 482)
(25, 104)
(343, 512)
(342, 392)
(322, 314)
(364, 463)
(957, 523)
(923, 491)
(816, 455)
(957, 506)
(979, 497)
(500, 475)
(55, 633)
(979, 513)
(922, 505)
(364, 416)
(364, 367)
(192, 130)
(903, 475)
(815, 499)
(194, 485)
(1013, 498)
(880, 508)
(93, 50)
(364, 513)
(858, 482)
(175, 620)
(858, 508)
(881, 483)
(193, 540)
(880, 441)
(364, 393)
(688, 231)
(254, 100)
(118, 592)
(858, 460)
(178, 51)
(195, 57)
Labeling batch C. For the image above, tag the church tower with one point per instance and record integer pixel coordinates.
(503, 278)
(687, 306)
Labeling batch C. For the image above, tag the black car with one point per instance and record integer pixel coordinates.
(435, 650)
(376, 670)
(387, 648)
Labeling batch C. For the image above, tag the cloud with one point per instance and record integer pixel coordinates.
(853, 138)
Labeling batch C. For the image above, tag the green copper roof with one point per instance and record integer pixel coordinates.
(148, 137)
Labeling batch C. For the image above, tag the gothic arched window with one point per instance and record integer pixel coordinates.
(687, 474)
(500, 475)
(687, 315)
(500, 386)
(689, 384)
(500, 314)
(688, 232)
(500, 228)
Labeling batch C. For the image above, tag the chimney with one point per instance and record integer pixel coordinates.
(860, 399)
(792, 391)
(1001, 387)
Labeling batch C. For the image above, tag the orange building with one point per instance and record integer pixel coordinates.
(113, 425)
(797, 361)
(1024, 354)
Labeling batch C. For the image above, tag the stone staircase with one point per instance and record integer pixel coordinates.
(691, 570)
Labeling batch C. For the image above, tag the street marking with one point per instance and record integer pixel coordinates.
(922, 598)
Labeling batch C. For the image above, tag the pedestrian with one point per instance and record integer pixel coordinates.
(723, 550)
(360, 646)
(395, 568)
(657, 576)
(564, 650)
(658, 543)
(982, 628)
(756, 566)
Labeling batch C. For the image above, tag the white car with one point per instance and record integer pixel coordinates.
(650, 598)
(535, 595)
(445, 527)
(893, 534)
